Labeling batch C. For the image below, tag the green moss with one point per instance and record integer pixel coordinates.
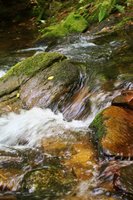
(99, 131)
(48, 182)
(22, 71)
(73, 23)
(66, 71)
(57, 30)
(33, 64)
(98, 127)
(123, 23)
(126, 77)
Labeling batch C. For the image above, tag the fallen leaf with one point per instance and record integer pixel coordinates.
(50, 77)
(18, 95)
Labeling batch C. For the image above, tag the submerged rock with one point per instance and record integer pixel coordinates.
(113, 129)
(79, 105)
(10, 172)
(9, 179)
(76, 150)
(124, 179)
(48, 182)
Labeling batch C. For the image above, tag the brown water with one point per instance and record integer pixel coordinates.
(39, 139)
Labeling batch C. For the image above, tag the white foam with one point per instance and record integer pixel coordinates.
(33, 125)
(39, 48)
(2, 73)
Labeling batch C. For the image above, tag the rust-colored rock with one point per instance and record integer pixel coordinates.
(114, 131)
(77, 152)
(9, 179)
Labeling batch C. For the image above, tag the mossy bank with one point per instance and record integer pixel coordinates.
(79, 16)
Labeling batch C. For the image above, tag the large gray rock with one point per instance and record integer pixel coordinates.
(44, 80)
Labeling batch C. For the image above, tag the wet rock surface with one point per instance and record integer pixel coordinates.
(69, 167)
(44, 80)
(53, 170)
(52, 181)
(41, 91)
(114, 131)
(76, 151)
(123, 180)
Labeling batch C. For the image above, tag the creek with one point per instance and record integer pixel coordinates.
(108, 64)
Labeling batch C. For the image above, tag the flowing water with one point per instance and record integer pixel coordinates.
(21, 135)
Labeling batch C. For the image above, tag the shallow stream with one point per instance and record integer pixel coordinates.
(108, 61)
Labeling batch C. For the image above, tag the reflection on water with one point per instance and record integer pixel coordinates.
(13, 38)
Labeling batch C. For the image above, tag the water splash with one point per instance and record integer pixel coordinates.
(33, 125)
(35, 49)
(2, 73)
(27, 128)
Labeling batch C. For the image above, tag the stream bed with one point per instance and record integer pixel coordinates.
(41, 141)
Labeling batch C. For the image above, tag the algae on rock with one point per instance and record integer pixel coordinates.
(73, 23)
(24, 70)
(48, 181)
(29, 83)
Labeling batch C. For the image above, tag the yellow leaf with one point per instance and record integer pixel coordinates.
(50, 77)
(2, 176)
(18, 95)
(9, 107)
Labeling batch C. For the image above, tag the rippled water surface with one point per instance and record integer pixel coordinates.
(105, 76)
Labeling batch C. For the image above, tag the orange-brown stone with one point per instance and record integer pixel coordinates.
(118, 138)
(78, 154)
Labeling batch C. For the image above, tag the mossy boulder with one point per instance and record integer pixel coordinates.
(24, 70)
(113, 130)
(43, 80)
(18, 75)
(74, 23)
(49, 85)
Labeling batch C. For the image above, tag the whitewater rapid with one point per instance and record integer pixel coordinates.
(33, 125)
(29, 127)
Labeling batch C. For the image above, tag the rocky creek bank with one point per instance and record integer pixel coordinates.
(51, 80)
